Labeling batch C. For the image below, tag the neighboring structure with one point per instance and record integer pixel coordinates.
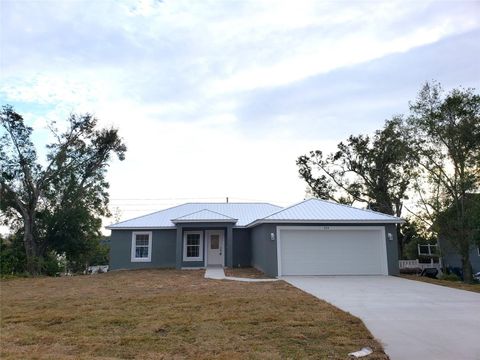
(314, 237)
(452, 259)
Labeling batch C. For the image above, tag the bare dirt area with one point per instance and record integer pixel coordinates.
(170, 314)
(246, 272)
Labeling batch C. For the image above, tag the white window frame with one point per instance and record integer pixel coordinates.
(197, 258)
(430, 252)
(134, 246)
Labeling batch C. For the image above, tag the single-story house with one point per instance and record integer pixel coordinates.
(313, 237)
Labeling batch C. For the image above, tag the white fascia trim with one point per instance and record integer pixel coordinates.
(133, 258)
(140, 228)
(380, 229)
(163, 228)
(204, 221)
(198, 258)
(258, 222)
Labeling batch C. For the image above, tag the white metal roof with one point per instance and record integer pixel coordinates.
(317, 210)
(204, 215)
(250, 214)
(244, 212)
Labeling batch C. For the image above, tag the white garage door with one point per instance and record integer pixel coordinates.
(332, 251)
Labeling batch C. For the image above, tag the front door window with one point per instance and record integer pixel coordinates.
(215, 247)
(214, 241)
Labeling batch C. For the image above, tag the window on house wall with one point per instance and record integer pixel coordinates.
(193, 246)
(141, 246)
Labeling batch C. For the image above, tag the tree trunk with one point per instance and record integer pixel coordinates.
(467, 268)
(31, 251)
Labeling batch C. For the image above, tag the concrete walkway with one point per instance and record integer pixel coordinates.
(217, 273)
(413, 320)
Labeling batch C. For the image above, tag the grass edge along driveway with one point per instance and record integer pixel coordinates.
(172, 314)
(451, 284)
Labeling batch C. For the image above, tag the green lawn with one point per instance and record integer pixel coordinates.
(170, 314)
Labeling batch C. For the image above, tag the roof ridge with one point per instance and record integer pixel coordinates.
(350, 207)
(139, 217)
(332, 203)
(242, 210)
(283, 209)
(196, 212)
(233, 202)
(186, 203)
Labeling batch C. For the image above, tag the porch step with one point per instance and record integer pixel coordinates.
(214, 273)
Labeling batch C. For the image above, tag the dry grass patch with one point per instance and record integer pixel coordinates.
(246, 272)
(453, 284)
(170, 314)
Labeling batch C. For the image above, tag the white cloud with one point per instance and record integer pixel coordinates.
(183, 81)
(336, 50)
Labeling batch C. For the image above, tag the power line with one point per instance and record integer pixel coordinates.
(144, 210)
(164, 199)
(189, 198)
(137, 204)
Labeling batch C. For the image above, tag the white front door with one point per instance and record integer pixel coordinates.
(215, 247)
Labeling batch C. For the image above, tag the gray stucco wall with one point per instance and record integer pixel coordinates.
(392, 249)
(264, 250)
(163, 250)
(242, 248)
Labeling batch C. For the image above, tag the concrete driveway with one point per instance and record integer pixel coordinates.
(413, 320)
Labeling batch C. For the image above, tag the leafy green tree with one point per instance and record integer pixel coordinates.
(462, 235)
(74, 231)
(375, 171)
(101, 253)
(70, 188)
(12, 254)
(414, 233)
(445, 130)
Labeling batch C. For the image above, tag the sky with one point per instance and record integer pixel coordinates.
(217, 99)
